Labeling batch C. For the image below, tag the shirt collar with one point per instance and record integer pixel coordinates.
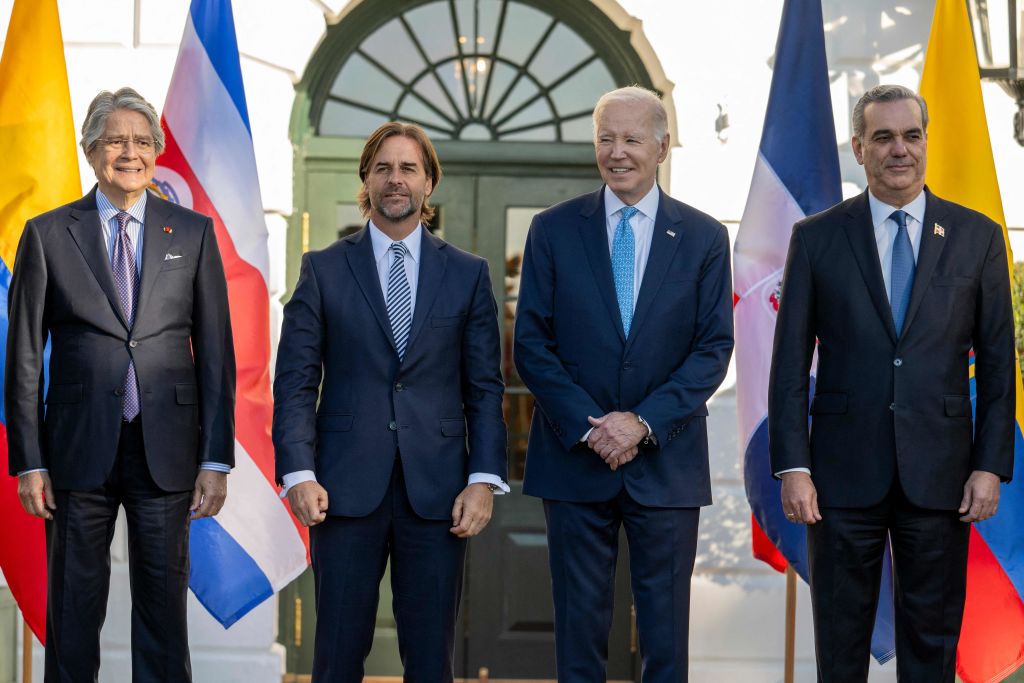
(382, 243)
(648, 206)
(880, 211)
(107, 210)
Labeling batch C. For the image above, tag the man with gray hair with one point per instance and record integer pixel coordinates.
(129, 290)
(623, 332)
(895, 287)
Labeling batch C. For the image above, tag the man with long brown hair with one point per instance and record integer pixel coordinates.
(396, 333)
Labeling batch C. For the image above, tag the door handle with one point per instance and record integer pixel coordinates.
(633, 647)
(298, 622)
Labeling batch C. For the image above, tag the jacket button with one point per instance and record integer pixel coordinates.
(118, 392)
(627, 365)
(393, 426)
(399, 386)
(133, 343)
(892, 406)
(898, 362)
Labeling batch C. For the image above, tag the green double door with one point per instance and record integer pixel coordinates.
(507, 621)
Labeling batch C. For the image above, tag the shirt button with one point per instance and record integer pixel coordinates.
(898, 362)
(399, 386)
(393, 426)
(119, 392)
(892, 406)
(133, 343)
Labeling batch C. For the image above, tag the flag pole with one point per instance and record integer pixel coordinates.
(790, 623)
(26, 652)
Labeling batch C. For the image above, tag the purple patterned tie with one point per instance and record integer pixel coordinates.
(126, 277)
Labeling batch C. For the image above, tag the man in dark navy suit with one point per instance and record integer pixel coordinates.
(896, 286)
(388, 367)
(624, 330)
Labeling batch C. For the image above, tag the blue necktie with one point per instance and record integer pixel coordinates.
(399, 301)
(623, 265)
(126, 277)
(902, 270)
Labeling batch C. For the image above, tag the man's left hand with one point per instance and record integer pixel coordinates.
(209, 494)
(472, 510)
(981, 497)
(615, 437)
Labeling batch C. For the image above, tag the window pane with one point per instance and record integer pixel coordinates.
(432, 24)
(413, 109)
(361, 81)
(580, 129)
(523, 28)
(390, 45)
(562, 50)
(524, 90)
(581, 90)
(501, 78)
(342, 119)
(537, 112)
(451, 75)
(535, 134)
(428, 87)
(478, 22)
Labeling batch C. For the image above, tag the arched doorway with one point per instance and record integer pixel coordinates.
(505, 88)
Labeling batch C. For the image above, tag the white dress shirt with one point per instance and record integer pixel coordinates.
(382, 256)
(885, 236)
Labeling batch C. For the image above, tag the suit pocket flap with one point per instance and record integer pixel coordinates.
(456, 427)
(185, 394)
(957, 406)
(446, 321)
(64, 393)
(334, 423)
(953, 281)
(828, 404)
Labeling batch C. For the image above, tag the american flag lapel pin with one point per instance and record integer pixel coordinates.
(939, 230)
(670, 233)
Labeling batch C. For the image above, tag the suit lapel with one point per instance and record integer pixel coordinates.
(928, 255)
(663, 250)
(86, 231)
(594, 238)
(155, 244)
(861, 234)
(364, 269)
(432, 265)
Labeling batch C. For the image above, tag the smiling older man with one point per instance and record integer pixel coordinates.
(129, 290)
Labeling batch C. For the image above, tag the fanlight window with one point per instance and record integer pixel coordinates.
(470, 70)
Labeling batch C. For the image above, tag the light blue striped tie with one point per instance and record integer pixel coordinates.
(399, 301)
(902, 270)
(623, 265)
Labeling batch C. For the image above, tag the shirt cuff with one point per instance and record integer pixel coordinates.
(216, 467)
(484, 478)
(650, 432)
(586, 436)
(793, 469)
(38, 469)
(293, 478)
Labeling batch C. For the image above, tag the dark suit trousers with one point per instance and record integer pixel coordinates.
(930, 581)
(78, 559)
(349, 557)
(583, 541)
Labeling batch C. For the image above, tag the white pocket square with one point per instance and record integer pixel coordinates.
(171, 257)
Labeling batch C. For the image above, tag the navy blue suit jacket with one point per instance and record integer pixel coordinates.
(572, 354)
(336, 345)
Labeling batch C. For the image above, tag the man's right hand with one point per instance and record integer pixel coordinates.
(308, 501)
(36, 493)
(800, 498)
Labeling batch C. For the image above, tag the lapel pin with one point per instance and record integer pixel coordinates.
(670, 233)
(939, 230)
(168, 229)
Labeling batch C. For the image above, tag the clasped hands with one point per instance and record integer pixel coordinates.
(615, 437)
